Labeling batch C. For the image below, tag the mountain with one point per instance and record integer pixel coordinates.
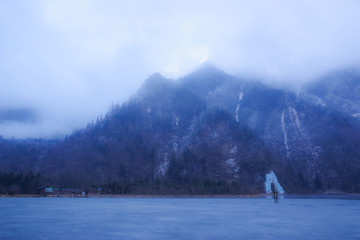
(206, 133)
(338, 90)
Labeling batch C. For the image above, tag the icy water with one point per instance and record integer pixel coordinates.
(178, 218)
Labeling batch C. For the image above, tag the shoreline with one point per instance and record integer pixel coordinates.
(355, 196)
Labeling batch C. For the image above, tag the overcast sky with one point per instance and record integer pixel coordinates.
(68, 60)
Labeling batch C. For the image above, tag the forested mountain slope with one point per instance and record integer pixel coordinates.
(206, 133)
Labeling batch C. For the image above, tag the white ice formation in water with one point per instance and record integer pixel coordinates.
(271, 178)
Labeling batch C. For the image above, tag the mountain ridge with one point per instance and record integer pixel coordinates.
(207, 132)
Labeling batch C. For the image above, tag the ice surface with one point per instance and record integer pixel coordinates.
(178, 218)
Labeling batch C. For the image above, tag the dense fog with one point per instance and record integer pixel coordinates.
(63, 63)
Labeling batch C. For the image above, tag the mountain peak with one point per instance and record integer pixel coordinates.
(207, 71)
(153, 84)
(207, 65)
(155, 76)
(154, 79)
(205, 79)
(207, 68)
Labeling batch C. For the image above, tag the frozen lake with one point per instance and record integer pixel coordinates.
(178, 218)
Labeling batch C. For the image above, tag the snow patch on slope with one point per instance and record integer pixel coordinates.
(298, 91)
(163, 167)
(271, 178)
(237, 112)
(234, 150)
(356, 115)
(241, 95)
(231, 162)
(295, 137)
(295, 118)
(285, 134)
(308, 146)
(320, 102)
(233, 167)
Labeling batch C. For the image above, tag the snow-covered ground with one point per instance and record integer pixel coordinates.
(178, 218)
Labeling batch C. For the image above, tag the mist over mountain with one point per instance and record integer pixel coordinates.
(208, 133)
(66, 61)
(338, 90)
(17, 115)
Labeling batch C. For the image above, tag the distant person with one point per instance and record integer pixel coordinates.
(275, 192)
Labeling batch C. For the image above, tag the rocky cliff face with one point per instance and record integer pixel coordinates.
(209, 130)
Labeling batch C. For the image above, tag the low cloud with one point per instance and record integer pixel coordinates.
(69, 60)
